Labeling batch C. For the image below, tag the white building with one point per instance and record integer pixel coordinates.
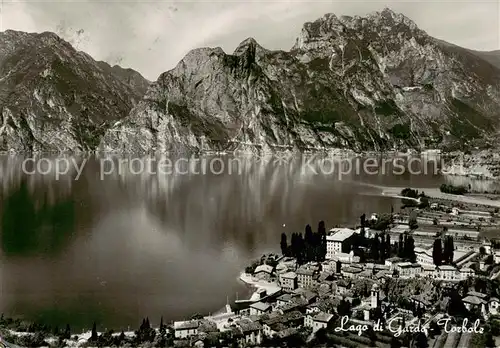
(494, 305)
(424, 256)
(428, 271)
(408, 269)
(466, 272)
(305, 277)
(393, 262)
(447, 272)
(496, 256)
(184, 329)
(288, 281)
(346, 257)
(338, 241)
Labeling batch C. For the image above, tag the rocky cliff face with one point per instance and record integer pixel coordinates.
(376, 82)
(54, 98)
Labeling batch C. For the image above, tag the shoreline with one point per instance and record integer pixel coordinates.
(257, 285)
(433, 192)
(437, 194)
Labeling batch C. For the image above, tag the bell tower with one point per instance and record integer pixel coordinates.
(375, 296)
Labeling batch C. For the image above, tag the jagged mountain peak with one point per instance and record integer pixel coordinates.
(246, 45)
(391, 18)
(372, 82)
(385, 23)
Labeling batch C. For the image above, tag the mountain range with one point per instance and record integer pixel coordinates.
(364, 83)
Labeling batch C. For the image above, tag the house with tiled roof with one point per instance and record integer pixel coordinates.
(263, 272)
(318, 321)
(259, 308)
(184, 329)
(276, 323)
(285, 299)
(473, 302)
(251, 332)
(298, 304)
(351, 271)
(307, 295)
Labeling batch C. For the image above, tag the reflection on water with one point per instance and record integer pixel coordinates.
(142, 244)
(31, 226)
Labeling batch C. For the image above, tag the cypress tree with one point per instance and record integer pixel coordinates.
(437, 252)
(362, 220)
(375, 248)
(401, 246)
(284, 245)
(323, 243)
(452, 250)
(93, 337)
(67, 332)
(410, 249)
(388, 246)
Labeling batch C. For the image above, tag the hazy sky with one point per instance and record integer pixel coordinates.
(152, 36)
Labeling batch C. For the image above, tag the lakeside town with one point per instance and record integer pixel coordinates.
(426, 275)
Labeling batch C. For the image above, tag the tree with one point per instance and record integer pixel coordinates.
(162, 326)
(401, 246)
(308, 234)
(300, 249)
(452, 250)
(94, 337)
(67, 332)
(284, 245)
(381, 249)
(162, 341)
(309, 244)
(409, 249)
(323, 244)
(437, 252)
(448, 250)
(395, 343)
(421, 340)
(412, 221)
(387, 245)
(362, 220)
(375, 248)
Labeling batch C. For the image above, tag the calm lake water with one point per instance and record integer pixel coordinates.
(118, 247)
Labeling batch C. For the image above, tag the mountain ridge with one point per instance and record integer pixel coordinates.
(365, 83)
(55, 98)
(376, 82)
